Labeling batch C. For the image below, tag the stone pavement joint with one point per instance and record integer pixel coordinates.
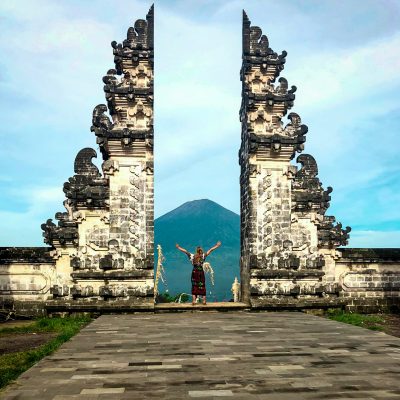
(238, 355)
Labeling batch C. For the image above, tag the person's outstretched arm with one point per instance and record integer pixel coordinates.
(213, 248)
(182, 250)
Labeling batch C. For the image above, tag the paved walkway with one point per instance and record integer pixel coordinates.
(236, 355)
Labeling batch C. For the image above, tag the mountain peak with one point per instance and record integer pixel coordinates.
(199, 204)
(199, 223)
(202, 208)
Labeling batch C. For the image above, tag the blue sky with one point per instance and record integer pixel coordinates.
(343, 56)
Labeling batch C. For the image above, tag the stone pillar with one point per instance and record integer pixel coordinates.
(127, 147)
(282, 208)
(107, 234)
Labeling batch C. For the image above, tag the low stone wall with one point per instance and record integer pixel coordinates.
(26, 276)
(370, 279)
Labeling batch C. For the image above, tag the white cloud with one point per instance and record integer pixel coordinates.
(373, 239)
(22, 228)
(330, 78)
(346, 70)
(25, 11)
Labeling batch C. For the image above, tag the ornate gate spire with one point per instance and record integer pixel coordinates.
(284, 242)
(104, 243)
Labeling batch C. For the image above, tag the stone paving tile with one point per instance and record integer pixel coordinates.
(238, 355)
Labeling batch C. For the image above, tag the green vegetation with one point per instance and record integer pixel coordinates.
(167, 298)
(14, 364)
(373, 322)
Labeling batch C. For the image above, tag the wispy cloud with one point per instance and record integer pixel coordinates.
(344, 58)
(22, 227)
(375, 239)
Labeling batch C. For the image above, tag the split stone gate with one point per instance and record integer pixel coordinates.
(102, 247)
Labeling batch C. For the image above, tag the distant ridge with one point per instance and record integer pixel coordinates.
(200, 223)
(196, 207)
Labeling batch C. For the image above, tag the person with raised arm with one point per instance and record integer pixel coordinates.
(198, 278)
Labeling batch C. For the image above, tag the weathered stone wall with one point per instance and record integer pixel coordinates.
(369, 279)
(31, 284)
(363, 280)
(26, 278)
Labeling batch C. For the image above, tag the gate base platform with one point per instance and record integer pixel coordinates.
(98, 308)
(218, 306)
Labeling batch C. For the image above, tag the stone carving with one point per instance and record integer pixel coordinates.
(138, 44)
(261, 120)
(65, 233)
(283, 222)
(130, 99)
(140, 76)
(258, 82)
(110, 78)
(287, 242)
(101, 125)
(49, 229)
(263, 104)
(59, 291)
(130, 104)
(308, 194)
(79, 291)
(108, 262)
(258, 42)
(83, 261)
(87, 187)
(278, 289)
(295, 129)
(110, 167)
(108, 226)
(97, 237)
(331, 234)
(75, 263)
(139, 115)
(83, 163)
(257, 45)
(113, 291)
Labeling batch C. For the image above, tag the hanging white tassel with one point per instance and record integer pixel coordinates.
(208, 270)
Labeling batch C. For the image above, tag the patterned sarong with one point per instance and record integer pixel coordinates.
(198, 278)
(198, 281)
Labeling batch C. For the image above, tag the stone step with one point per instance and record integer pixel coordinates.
(217, 306)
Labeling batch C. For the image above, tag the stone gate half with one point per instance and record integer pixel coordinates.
(288, 244)
(101, 254)
(103, 245)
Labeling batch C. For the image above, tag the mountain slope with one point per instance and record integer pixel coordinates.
(199, 223)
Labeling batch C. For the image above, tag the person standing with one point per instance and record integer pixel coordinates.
(198, 279)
